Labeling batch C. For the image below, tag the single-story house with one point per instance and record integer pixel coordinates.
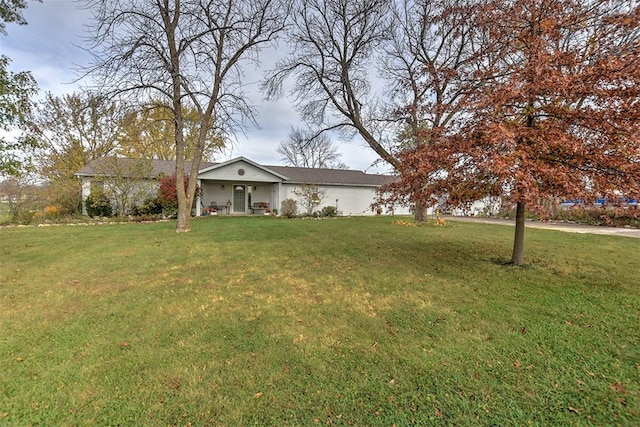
(242, 186)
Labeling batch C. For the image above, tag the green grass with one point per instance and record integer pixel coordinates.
(5, 214)
(265, 321)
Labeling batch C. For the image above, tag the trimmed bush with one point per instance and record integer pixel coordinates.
(289, 208)
(98, 204)
(151, 206)
(329, 211)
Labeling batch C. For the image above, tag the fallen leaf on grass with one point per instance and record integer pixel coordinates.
(259, 394)
(574, 410)
(124, 344)
(439, 413)
(618, 387)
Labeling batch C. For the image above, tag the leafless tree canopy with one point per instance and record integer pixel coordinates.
(308, 151)
(190, 53)
(196, 48)
(430, 61)
(422, 50)
(333, 48)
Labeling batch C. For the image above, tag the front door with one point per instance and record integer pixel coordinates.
(239, 198)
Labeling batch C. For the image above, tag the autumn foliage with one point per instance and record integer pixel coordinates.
(167, 192)
(553, 112)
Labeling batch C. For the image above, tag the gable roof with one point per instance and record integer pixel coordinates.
(109, 166)
(267, 169)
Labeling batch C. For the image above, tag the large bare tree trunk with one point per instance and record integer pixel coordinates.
(184, 218)
(420, 213)
(517, 257)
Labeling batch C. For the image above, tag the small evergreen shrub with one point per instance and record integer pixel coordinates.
(98, 204)
(289, 208)
(329, 211)
(151, 206)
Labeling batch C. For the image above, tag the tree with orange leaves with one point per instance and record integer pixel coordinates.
(556, 112)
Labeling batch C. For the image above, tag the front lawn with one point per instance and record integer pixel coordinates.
(355, 321)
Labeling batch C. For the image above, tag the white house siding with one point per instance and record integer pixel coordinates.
(486, 206)
(86, 191)
(218, 182)
(349, 200)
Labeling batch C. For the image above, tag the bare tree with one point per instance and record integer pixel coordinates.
(430, 61)
(422, 50)
(333, 45)
(22, 196)
(310, 196)
(310, 151)
(189, 53)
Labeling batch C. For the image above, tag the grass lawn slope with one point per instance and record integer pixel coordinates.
(349, 321)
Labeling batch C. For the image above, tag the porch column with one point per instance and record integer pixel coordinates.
(199, 198)
(278, 191)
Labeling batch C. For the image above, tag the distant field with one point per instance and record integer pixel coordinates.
(348, 321)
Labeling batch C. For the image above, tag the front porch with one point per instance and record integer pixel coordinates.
(236, 198)
(238, 187)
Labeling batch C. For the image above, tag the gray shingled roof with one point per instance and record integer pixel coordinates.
(108, 165)
(156, 168)
(330, 176)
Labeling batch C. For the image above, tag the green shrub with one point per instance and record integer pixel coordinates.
(98, 204)
(329, 211)
(151, 206)
(289, 208)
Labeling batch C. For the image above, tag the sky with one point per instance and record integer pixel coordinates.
(50, 46)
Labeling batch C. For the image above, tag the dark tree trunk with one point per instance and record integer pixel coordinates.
(517, 257)
(420, 213)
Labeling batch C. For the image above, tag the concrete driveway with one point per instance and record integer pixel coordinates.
(560, 226)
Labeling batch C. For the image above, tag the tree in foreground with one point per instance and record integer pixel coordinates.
(16, 91)
(305, 150)
(188, 54)
(557, 113)
(421, 50)
(429, 65)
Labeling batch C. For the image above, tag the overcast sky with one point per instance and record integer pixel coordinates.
(48, 47)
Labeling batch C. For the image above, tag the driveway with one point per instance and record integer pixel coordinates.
(560, 226)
